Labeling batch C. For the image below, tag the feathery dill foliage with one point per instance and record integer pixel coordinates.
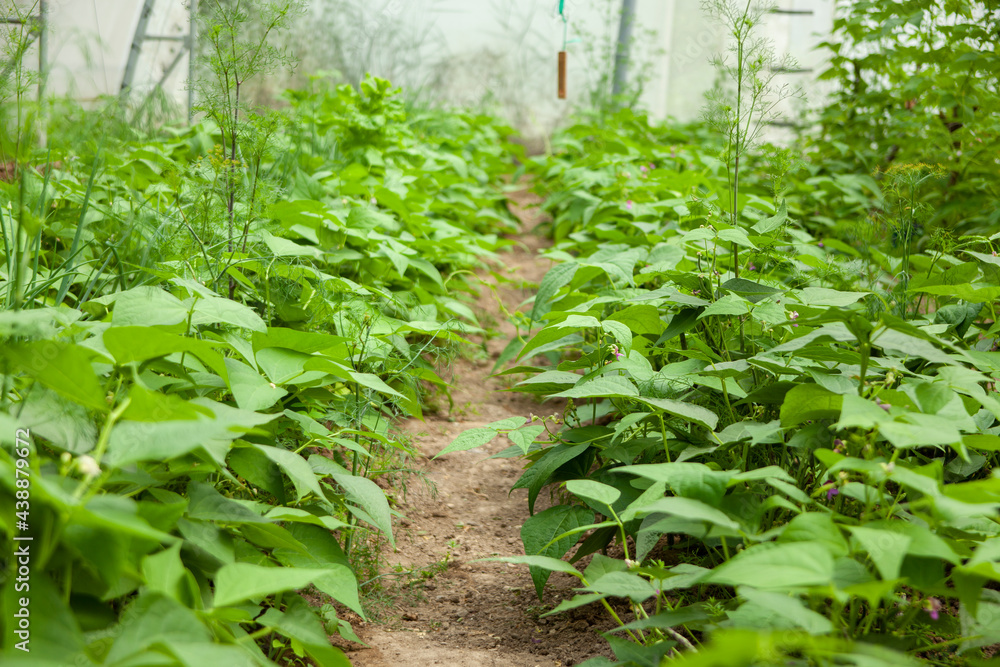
(238, 36)
(749, 92)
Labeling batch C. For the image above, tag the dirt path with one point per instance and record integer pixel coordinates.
(477, 614)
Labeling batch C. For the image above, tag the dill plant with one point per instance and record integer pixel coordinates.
(749, 92)
(237, 37)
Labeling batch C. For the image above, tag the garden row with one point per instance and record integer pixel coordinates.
(206, 341)
(779, 447)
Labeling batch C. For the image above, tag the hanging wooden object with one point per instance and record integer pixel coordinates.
(562, 75)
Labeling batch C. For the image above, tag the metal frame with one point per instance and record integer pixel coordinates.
(141, 37)
(43, 44)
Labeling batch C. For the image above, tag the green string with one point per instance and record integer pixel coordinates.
(562, 13)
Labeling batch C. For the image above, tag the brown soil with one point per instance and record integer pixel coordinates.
(472, 613)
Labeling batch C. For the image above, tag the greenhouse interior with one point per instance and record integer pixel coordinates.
(500, 333)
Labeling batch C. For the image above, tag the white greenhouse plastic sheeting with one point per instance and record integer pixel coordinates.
(89, 43)
(469, 50)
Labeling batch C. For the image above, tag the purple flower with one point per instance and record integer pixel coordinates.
(933, 607)
(820, 244)
(794, 315)
(831, 492)
(753, 267)
(628, 204)
(614, 351)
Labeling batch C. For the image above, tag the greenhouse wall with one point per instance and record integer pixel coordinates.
(498, 52)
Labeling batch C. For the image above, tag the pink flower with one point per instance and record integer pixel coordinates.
(752, 267)
(933, 607)
(614, 351)
(820, 244)
(794, 315)
(628, 204)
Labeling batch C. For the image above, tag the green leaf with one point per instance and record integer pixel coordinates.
(621, 333)
(145, 306)
(65, 369)
(730, 304)
(525, 436)
(135, 343)
(687, 508)
(623, 585)
(751, 291)
(300, 623)
(237, 582)
(973, 293)
(539, 530)
(540, 473)
(212, 310)
(557, 331)
(809, 402)
(821, 296)
(295, 467)
(556, 278)
(640, 319)
(768, 225)
(692, 480)
(163, 571)
(886, 548)
(151, 406)
(251, 391)
(474, 437)
(737, 236)
(132, 442)
(686, 411)
(595, 491)
(301, 341)
(817, 528)
(608, 386)
(542, 562)
(777, 566)
(324, 552)
(789, 608)
(369, 497)
(374, 382)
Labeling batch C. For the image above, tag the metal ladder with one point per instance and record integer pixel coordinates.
(188, 42)
(37, 29)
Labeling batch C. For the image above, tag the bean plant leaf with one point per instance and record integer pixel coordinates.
(370, 498)
(776, 566)
(470, 439)
(539, 530)
(809, 402)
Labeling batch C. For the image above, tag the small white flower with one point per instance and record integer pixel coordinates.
(88, 466)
